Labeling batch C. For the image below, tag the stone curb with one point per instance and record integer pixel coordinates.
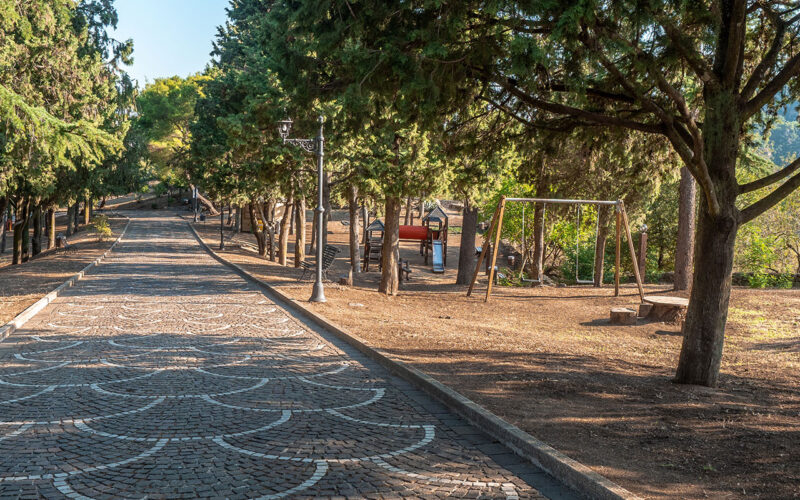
(40, 304)
(574, 474)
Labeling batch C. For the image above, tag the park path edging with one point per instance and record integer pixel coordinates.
(23, 317)
(563, 468)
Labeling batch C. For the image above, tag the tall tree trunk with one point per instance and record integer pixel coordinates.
(269, 228)
(26, 231)
(36, 246)
(51, 227)
(537, 258)
(796, 280)
(291, 219)
(262, 249)
(603, 212)
(300, 238)
(352, 205)
(222, 229)
(286, 222)
(466, 251)
(70, 229)
(409, 217)
(704, 328)
(684, 250)
(3, 220)
(76, 214)
(230, 214)
(390, 252)
(365, 221)
(237, 221)
(16, 246)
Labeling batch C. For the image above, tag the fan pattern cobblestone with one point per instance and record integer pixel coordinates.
(164, 375)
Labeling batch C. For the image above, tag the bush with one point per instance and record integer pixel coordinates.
(101, 227)
(764, 280)
(154, 206)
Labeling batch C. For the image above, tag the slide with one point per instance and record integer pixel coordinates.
(438, 266)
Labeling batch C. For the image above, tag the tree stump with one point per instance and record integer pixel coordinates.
(644, 310)
(623, 316)
(667, 309)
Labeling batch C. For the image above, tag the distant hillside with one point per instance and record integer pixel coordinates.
(783, 145)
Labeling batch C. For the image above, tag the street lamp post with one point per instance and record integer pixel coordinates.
(312, 146)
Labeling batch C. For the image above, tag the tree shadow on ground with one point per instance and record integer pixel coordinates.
(607, 412)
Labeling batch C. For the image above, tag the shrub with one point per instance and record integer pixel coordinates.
(764, 280)
(101, 227)
(154, 206)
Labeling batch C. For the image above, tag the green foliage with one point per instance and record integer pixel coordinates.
(101, 227)
(62, 106)
(757, 249)
(764, 280)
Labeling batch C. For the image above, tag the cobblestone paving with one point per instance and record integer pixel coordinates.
(164, 375)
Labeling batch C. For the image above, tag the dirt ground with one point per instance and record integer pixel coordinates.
(24, 284)
(547, 360)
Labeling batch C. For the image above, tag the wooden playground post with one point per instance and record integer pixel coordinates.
(484, 249)
(633, 251)
(498, 231)
(617, 250)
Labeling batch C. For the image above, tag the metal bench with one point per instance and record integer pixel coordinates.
(328, 255)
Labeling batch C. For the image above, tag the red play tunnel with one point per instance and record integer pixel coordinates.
(413, 232)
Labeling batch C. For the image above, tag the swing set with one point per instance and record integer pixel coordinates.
(496, 228)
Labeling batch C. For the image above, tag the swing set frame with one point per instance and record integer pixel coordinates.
(496, 228)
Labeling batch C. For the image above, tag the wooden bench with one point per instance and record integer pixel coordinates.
(328, 256)
(667, 309)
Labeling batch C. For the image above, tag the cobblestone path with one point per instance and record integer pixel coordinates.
(163, 374)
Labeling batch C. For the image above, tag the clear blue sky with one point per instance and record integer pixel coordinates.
(170, 37)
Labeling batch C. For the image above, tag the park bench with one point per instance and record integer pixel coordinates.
(404, 271)
(328, 255)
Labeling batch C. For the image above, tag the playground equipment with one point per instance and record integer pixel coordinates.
(432, 237)
(438, 265)
(525, 249)
(438, 233)
(373, 244)
(496, 228)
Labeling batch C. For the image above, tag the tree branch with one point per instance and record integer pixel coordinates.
(692, 57)
(613, 96)
(505, 109)
(733, 36)
(790, 70)
(770, 179)
(769, 58)
(770, 200)
(562, 109)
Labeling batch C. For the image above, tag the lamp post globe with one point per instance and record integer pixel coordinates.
(284, 128)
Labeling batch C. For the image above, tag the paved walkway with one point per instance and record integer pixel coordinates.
(164, 375)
